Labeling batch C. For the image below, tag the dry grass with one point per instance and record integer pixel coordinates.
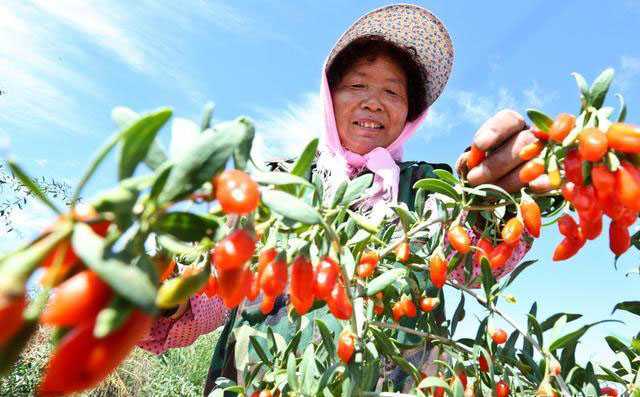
(178, 372)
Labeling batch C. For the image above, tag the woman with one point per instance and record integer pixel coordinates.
(377, 85)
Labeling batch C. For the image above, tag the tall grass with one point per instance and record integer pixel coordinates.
(178, 372)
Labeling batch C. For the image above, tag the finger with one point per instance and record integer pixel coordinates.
(498, 129)
(501, 161)
(511, 182)
(461, 164)
(541, 184)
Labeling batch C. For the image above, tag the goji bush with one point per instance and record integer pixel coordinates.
(271, 233)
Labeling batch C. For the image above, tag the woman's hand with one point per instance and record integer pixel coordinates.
(504, 134)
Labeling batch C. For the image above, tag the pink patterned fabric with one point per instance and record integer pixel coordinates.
(203, 316)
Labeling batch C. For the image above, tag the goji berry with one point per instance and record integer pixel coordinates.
(403, 251)
(346, 346)
(499, 336)
(408, 307)
(542, 135)
(77, 299)
(236, 192)
(475, 157)
(483, 364)
(301, 285)
(624, 137)
(562, 125)
(484, 250)
(81, 361)
(531, 150)
(462, 376)
(378, 308)
(211, 288)
(573, 167)
(608, 391)
(233, 286)
(584, 197)
(603, 180)
(438, 270)
(567, 248)
(619, 238)
(338, 302)
(367, 264)
(234, 250)
(512, 231)
(554, 367)
(568, 227)
(265, 393)
(266, 306)
(628, 186)
(502, 389)
(500, 255)
(593, 144)
(459, 239)
(397, 311)
(254, 288)
(531, 170)
(273, 278)
(325, 277)
(11, 317)
(531, 215)
(427, 304)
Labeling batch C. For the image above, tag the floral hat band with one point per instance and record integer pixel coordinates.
(408, 26)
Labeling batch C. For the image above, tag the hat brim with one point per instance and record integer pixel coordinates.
(408, 25)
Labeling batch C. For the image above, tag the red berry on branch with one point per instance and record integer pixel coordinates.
(624, 137)
(438, 267)
(531, 170)
(236, 192)
(459, 239)
(512, 231)
(531, 216)
(346, 346)
(562, 125)
(593, 144)
(234, 250)
(502, 389)
(475, 156)
(499, 336)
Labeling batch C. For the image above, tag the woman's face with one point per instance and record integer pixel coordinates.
(370, 104)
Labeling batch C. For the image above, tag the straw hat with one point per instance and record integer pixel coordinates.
(408, 25)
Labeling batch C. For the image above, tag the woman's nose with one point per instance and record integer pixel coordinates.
(372, 103)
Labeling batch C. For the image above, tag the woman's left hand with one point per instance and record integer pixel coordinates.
(505, 134)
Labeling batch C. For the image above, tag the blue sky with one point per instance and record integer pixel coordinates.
(64, 65)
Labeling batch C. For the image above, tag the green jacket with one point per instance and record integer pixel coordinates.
(222, 362)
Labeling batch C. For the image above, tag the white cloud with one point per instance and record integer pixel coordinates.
(629, 72)
(282, 133)
(49, 53)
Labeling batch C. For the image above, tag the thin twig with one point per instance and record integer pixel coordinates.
(417, 228)
(412, 331)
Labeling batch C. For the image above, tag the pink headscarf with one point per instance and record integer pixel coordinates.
(340, 164)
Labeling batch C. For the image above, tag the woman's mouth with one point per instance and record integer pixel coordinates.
(369, 125)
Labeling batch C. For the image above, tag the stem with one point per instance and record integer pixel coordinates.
(485, 207)
(412, 331)
(493, 309)
(383, 394)
(418, 227)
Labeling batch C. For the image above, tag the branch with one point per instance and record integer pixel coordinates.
(426, 335)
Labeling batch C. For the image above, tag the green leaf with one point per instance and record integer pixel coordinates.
(309, 371)
(517, 271)
(438, 186)
(446, 176)
(548, 323)
(18, 266)
(186, 226)
(33, 187)
(574, 336)
(199, 163)
(458, 315)
(291, 207)
(583, 87)
(156, 156)
(534, 328)
(432, 381)
(540, 119)
(242, 152)
(623, 109)
(128, 281)
(406, 218)
(339, 194)
(487, 278)
(279, 178)
(382, 281)
(292, 376)
(178, 290)
(137, 139)
(303, 164)
(112, 317)
(629, 306)
(363, 222)
(355, 188)
(207, 114)
(327, 337)
(260, 351)
(177, 247)
(600, 87)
